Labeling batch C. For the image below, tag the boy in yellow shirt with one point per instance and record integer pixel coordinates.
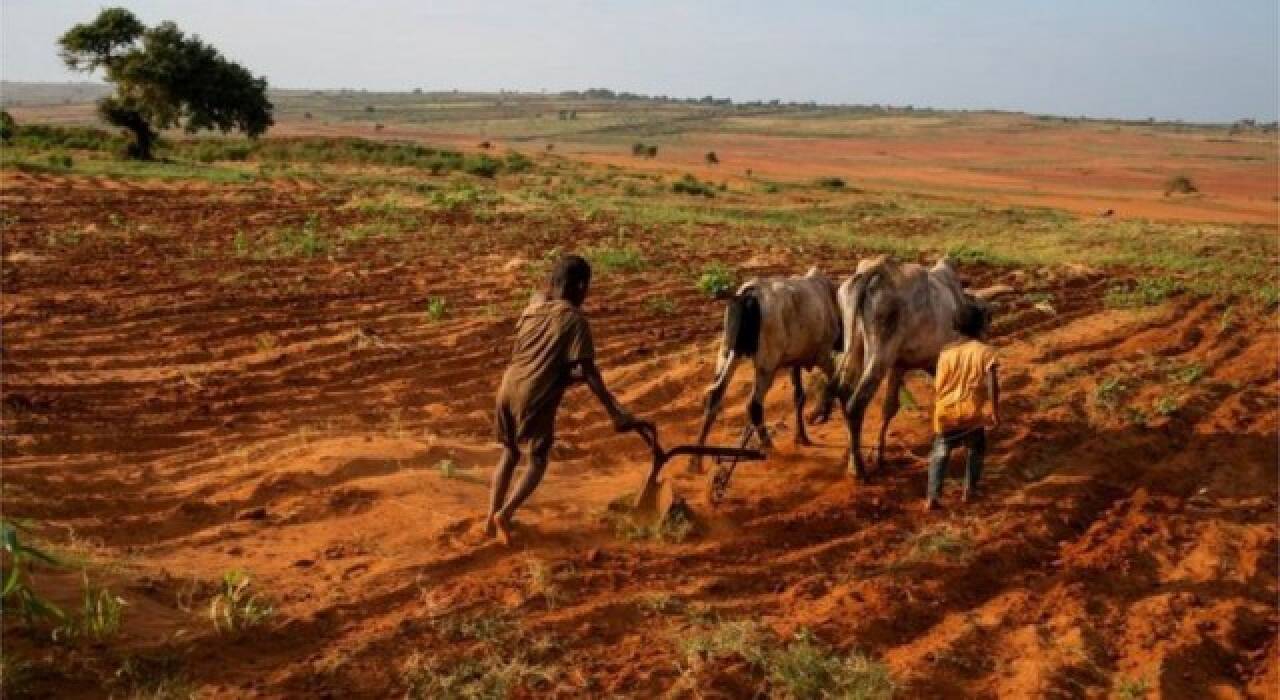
(967, 399)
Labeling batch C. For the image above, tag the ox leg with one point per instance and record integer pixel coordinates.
(855, 465)
(715, 398)
(797, 393)
(857, 411)
(755, 409)
(891, 406)
(830, 392)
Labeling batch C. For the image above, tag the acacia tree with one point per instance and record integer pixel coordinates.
(164, 79)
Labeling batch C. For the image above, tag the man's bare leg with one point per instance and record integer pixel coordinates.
(501, 482)
(532, 477)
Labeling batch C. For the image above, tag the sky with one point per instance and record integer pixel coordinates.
(1196, 60)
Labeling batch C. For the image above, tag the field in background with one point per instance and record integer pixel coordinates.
(279, 358)
(1079, 165)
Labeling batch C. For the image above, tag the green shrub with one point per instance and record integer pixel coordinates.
(1180, 184)
(830, 182)
(437, 308)
(517, 162)
(693, 186)
(644, 150)
(716, 280)
(481, 166)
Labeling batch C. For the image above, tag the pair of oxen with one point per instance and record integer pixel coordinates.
(886, 319)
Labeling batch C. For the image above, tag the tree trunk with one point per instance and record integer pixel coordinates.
(142, 137)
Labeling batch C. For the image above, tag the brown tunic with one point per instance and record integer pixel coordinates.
(552, 336)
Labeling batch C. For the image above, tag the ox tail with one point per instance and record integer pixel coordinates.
(742, 324)
(862, 289)
(858, 323)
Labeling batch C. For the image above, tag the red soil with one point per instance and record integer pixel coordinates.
(156, 389)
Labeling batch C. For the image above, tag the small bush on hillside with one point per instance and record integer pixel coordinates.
(693, 186)
(517, 162)
(481, 166)
(712, 158)
(830, 183)
(644, 150)
(1180, 184)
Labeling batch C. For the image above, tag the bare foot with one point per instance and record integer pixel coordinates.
(490, 528)
(803, 440)
(503, 531)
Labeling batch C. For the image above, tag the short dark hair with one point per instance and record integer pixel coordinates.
(569, 271)
(973, 319)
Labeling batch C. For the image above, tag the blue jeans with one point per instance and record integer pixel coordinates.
(975, 440)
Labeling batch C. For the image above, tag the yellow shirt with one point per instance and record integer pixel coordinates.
(960, 386)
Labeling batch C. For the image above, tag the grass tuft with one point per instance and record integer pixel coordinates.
(801, 669)
(943, 540)
(1144, 292)
(489, 677)
(1110, 392)
(236, 607)
(616, 258)
(99, 616)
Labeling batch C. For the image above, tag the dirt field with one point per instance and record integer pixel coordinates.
(175, 407)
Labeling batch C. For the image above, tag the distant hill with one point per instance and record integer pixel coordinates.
(14, 94)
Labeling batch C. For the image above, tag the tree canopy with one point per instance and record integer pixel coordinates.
(164, 79)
